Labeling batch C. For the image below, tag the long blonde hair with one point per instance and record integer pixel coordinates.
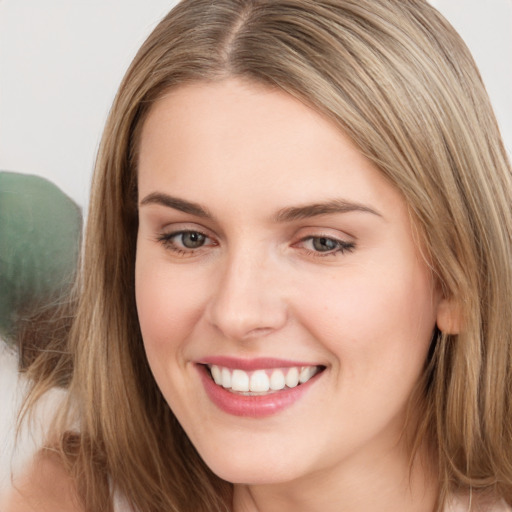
(396, 78)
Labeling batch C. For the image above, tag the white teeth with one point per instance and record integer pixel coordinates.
(259, 381)
(292, 377)
(226, 378)
(239, 381)
(262, 381)
(217, 375)
(306, 373)
(277, 380)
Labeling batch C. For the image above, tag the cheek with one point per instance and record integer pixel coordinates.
(368, 318)
(168, 305)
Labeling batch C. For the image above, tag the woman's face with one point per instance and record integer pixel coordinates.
(276, 259)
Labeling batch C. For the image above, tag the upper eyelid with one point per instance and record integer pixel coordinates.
(185, 227)
(325, 232)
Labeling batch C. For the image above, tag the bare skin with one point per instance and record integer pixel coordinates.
(44, 487)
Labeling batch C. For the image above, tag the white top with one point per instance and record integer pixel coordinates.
(455, 504)
(463, 504)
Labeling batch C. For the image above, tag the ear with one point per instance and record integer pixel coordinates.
(449, 316)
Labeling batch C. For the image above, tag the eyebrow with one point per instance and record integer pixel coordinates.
(288, 214)
(294, 213)
(175, 203)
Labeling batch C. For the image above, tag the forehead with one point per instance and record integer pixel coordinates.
(257, 138)
(225, 111)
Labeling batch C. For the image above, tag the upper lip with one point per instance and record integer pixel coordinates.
(258, 363)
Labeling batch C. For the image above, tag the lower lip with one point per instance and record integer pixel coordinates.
(257, 406)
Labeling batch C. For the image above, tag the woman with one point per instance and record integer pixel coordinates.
(296, 273)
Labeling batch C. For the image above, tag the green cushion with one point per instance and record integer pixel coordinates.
(40, 231)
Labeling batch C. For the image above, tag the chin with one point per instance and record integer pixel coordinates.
(254, 476)
(241, 470)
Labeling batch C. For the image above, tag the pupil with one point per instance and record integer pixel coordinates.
(324, 244)
(193, 240)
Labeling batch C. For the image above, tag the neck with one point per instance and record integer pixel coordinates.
(386, 483)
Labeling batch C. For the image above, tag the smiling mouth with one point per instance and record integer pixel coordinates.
(263, 381)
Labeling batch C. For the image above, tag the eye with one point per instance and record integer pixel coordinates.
(183, 242)
(322, 244)
(191, 239)
(325, 246)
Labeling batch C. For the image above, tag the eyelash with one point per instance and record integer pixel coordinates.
(342, 247)
(167, 240)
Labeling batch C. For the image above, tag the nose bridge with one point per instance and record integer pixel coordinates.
(247, 302)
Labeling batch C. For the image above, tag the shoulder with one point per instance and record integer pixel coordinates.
(45, 486)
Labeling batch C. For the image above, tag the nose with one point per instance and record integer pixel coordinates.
(249, 300)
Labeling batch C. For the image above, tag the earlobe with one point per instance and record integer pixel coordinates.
(449, 316)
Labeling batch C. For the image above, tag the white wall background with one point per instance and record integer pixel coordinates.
(62, 60)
